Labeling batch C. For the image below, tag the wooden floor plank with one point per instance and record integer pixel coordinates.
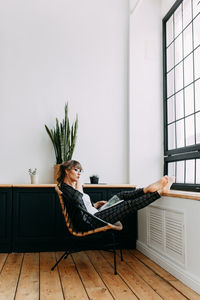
(94, 286)
(192, 295)
(28, 286)
(134, 281)
(3, 257)
(162, 287)
(71, 282)
(50, 286)
(114, 283)
(157, 269)
(9, 276)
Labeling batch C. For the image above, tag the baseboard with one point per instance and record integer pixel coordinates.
(183, 275)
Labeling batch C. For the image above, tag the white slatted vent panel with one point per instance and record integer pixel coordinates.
(156, 228)
(174, 227)
(166, 232)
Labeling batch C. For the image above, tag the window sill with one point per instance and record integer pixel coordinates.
(183, 194)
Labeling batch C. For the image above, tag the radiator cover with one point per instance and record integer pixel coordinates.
(166, 232)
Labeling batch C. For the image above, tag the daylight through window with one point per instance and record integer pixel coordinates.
(181, 62)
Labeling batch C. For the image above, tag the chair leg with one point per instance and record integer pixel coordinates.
(114, 252)
(121, 255)
(65, 254)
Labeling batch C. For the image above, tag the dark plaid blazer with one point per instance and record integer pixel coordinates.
(72, 195)
(73, 200)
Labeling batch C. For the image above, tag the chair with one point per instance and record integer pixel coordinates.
(81, 224)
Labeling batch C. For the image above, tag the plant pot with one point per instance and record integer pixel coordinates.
(34, 179)
(94, 180)
(56, 170)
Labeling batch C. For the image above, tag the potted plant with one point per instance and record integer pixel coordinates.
(63, 138)
(33, 176)
(94, 179)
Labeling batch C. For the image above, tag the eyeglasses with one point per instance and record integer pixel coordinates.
(78, 170)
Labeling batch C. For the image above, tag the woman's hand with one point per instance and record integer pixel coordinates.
(79, 186)
(99, 204)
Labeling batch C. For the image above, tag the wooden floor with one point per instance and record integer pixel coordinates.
(87, 275)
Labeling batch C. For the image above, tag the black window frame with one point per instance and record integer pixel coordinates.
(187, 152)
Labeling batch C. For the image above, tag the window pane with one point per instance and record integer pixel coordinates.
(196, 7)
(197, 31)
(189, 128)
(197, 95)
(198, 171)
(187, 38)
(188, 70)
(197, 62)
(170, 110)
(171, 169)
(198, 128)
(187, 12)
(179, 105)
(180, 165)
(190, 167)
(180, 133)
(178, 20)
(178, 49)
(170, 83)
(171, 136)
(169, 31)
(189, 100)
(170, 57)
(179, 77)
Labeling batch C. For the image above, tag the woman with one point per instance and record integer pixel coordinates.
(129, 201)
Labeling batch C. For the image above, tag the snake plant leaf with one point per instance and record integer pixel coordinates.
(63, 137)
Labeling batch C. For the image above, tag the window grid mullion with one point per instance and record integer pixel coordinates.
(175, 133)
(192, 114)
(175, 65)
(183, 29)
(195, 139)
(182, 88)
(183, 77)
(184, 171)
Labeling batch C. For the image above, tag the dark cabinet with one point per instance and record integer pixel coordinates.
(34, 219)
(5, 219)
(31, 219)
(38, 223)
(96, 194)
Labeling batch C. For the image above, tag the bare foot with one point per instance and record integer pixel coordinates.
(157, 186)
(167, 187)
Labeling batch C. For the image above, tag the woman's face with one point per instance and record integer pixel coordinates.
(73, 174)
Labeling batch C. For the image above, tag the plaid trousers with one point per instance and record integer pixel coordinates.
(133, 201)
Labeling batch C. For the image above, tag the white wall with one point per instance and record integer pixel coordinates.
(145, 95)
(53, 51)
(165, 6)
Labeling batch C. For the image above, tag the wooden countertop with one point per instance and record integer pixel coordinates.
(172, 193)
(87, 185)
(183, 195)
(28, 185)
(84, 185)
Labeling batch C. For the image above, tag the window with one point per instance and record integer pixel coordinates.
(181, 70)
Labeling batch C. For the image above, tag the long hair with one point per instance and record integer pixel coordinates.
(67, 165)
